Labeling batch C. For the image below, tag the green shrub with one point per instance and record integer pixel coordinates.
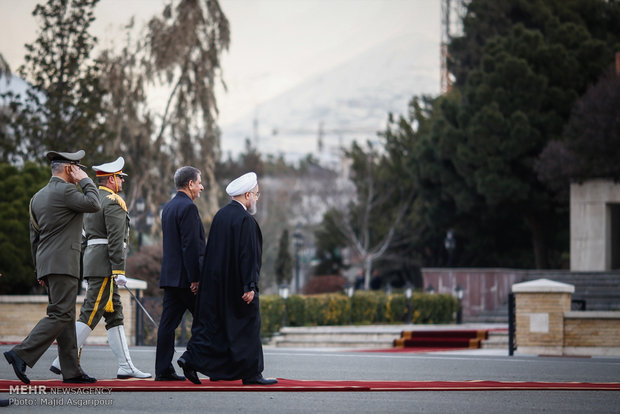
(363, 308)
(437, 308)
(271, 312)
(381, 301)
(296, 310)
(336, 309)
(396, 309)
(326, 309)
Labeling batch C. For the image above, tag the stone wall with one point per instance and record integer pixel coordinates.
(592, 333)
(540, 307)
(20, 313)
(545, 325)
(483, 289)
(486, 289)
(593, 246)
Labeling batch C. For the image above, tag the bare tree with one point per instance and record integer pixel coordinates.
(370, 224)
(178, 53)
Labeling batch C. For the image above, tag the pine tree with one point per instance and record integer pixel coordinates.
(284, 260)
(63, 109)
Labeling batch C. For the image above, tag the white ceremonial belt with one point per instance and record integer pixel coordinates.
(92, 242)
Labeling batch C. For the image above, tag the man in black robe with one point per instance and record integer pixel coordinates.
(225, 342)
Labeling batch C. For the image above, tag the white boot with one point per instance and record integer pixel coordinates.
(81, 333)
(118, 343)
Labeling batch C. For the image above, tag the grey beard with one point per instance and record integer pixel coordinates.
(252, 209)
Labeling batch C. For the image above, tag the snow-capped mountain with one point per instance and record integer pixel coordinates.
(350, 102)
(13, 84)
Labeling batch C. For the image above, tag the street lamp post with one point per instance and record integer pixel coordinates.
(459, 296)
(298, 242)
(408, 295)
(140, 207)
(283, 291)
(349, 290)
(450, 244)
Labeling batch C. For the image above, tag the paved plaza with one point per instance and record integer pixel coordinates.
(338, 364)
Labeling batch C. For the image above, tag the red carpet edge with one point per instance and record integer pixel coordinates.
(288, 385)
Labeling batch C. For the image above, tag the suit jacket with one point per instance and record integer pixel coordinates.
(58, 209)
(110, 223)
(184, 242)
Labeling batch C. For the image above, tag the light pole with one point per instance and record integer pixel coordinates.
(140, 207)
(150, 220)
(450, 244)
(283, 291)
(408, 295)
(349, 290)
(458, 290)
(298, 242)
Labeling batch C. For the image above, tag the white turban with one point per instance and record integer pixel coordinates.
(242, 184)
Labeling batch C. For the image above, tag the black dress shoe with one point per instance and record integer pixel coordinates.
(82, 379)
(171, 376)
(19, 366)
(55, 370)
(188, 371)
(259, 380)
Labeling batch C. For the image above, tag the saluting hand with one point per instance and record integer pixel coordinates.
(77, 174)
(248, 297)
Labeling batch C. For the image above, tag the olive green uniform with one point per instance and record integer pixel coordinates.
(107, 233)
(55, 236)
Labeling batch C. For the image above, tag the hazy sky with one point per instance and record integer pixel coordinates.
(275, 44)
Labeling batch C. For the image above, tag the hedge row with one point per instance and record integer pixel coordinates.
(363, 308)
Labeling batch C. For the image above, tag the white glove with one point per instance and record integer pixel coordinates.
(121, 280)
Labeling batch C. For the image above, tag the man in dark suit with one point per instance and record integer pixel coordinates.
(184, 243)
(56, 213)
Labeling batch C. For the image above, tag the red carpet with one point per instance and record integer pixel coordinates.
(57, 387)
(408, 349)
(441, 339)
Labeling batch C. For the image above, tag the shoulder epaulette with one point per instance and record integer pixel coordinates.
(118, 199)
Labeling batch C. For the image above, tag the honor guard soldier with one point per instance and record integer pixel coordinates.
(56, 214)
(107, 233)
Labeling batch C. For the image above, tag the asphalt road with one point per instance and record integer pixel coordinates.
(308, 364)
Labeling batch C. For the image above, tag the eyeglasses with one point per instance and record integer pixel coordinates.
(256, 194)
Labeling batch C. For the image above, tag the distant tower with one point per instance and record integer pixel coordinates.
(452, 13)
(255, 130)
(321, 134)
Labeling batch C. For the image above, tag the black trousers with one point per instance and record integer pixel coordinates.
(176, 302)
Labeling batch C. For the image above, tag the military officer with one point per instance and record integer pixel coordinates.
(107, 233)
(56, 213)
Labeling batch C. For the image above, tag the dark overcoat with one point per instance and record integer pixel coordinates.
(225, 342)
